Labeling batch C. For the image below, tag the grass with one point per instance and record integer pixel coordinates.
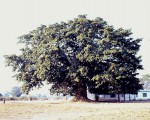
(74, 111)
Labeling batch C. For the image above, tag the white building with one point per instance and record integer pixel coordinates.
(142, 95)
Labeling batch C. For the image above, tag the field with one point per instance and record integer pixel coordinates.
(54, 110)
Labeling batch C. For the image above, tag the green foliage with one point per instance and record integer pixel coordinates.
(76, 55)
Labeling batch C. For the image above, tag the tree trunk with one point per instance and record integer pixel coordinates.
(124, 95)
(129, 97)
(96, 97)
(81, 94)
(118, 97)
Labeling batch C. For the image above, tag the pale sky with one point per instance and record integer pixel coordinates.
(18, 17)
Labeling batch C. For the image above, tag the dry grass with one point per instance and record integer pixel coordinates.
(74, 111)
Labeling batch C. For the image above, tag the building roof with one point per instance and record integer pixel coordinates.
(144, 91)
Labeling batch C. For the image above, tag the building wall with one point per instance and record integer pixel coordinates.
(109, 97)
(140, 95)
(128, 97)
(90, 96)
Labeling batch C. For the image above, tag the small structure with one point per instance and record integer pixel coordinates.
(141, 95)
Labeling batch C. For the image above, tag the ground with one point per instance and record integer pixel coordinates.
(56, 110)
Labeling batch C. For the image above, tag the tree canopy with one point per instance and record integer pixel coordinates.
(1, 94)
(78, 55)
(145, 80)
(16, 92)
(145, 77)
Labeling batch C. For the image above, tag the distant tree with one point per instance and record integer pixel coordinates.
(6, 94)
(1, 94)
(16, 92)
(78, 55)
(145, 79)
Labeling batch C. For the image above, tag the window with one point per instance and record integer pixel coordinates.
(112, 95)
(144, 94)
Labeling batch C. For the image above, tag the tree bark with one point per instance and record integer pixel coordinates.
(81, 94)
(119, 97)
(96, 97)
(124, 97)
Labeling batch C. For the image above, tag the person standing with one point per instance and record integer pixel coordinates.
(3, 100)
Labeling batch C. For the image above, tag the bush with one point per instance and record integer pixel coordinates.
(1, 98)
(1, 95)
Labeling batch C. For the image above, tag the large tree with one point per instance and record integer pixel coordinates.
(78, 55)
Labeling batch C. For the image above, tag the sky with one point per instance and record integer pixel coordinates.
(19, 17)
